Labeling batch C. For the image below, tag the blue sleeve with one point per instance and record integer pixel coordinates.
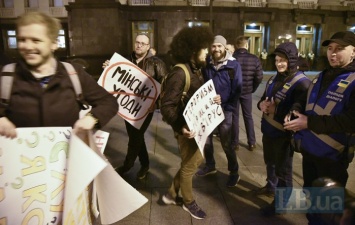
(236, 87)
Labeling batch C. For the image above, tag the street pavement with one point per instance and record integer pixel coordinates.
(223, 205)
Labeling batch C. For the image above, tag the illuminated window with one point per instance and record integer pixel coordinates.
(61, 39)
(305, 29)
(198, 24)
(12, 41)
(252, 27)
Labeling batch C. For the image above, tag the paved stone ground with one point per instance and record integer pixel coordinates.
(223, 205)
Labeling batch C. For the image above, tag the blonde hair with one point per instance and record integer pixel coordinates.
(53, 25)
(241, 41)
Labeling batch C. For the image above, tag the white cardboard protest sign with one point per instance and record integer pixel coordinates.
(135, 91)
(202, 115)
(44, 180)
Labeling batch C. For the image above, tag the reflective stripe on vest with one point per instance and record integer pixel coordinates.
(285, 88)
(328, 140)
(331, 104)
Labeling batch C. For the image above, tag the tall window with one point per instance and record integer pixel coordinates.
(143, 27)
(56, 3)
(31, 3)
(61, 39)
(6, 3)
(12, 41)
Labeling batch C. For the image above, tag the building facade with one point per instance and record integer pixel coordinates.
(94, 29)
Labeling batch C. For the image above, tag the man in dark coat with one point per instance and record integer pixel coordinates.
(252, 73)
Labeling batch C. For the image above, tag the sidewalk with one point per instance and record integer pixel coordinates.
(224, 206)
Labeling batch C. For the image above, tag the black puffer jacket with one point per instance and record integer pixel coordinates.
(251, 70)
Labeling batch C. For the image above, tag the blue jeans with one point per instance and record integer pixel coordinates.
(225, 134)
(245, 101)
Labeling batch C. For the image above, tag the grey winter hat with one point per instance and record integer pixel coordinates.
(220, 39)
(343, 38)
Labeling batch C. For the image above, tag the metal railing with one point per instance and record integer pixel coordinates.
(254, 3)
(140, 2)
(199, 2)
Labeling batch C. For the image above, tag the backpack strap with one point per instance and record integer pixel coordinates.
(6, 81)
(73, 75)
(187, 80)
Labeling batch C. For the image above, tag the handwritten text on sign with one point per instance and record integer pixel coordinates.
(135, 91)
(202, 115)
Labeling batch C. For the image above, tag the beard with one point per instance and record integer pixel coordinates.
(199, 63)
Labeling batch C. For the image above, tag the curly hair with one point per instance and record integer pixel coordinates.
(188, 41)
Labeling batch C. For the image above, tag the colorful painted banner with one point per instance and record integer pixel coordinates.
(50, 176)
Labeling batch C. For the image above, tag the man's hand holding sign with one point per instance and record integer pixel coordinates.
(203, 113)
(135, 91)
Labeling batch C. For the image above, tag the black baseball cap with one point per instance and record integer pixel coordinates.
(343, 38)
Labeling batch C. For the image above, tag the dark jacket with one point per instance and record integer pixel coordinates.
(251, 70)
(299, 94)
(152, 65)
(227, 79)
(343, 122)
(56, 105)
(171, 106)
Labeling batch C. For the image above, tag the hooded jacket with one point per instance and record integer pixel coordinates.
(227, 79)
(298, 96)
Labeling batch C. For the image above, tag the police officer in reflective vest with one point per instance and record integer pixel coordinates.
(325, 132)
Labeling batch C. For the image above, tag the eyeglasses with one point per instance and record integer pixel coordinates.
(140, 44)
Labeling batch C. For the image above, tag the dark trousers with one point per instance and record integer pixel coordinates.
(136, 144)
(278, 158)
(314, 167)
(246, 102)
(225, 134)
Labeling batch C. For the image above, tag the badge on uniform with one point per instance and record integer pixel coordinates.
(343, 83)
(287, 86)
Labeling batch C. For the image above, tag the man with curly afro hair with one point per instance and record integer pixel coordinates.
(189, 47)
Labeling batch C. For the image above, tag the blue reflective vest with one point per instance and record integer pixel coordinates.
(331, 102)
(271, 126)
